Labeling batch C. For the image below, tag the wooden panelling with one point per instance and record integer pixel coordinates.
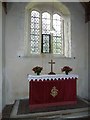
(4, 4)
(86, 6)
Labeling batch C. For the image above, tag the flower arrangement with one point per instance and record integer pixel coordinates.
(66, 69)
(37, 69)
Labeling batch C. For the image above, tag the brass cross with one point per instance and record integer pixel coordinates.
(51, 67)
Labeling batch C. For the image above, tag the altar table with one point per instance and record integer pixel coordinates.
(52, 90)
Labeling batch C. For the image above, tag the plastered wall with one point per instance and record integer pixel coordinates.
(89, 59)
(0, 58)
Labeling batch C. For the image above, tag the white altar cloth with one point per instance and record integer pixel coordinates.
(51, 77)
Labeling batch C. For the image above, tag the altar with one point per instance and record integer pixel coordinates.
(52, 90)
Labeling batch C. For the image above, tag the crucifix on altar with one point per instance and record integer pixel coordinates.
(51, 62)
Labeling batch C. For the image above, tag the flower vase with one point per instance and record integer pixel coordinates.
(66, 72)
(38, 73)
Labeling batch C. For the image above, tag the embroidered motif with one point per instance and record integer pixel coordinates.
(54, 92)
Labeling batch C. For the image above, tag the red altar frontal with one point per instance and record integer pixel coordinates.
(52, 90)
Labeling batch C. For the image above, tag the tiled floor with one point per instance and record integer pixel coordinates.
(7, 111)
(10, 113)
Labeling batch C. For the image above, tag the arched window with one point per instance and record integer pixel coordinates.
(39, 36)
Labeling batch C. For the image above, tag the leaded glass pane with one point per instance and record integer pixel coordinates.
(57, 45)
(58, 34)
(46, 43)
(34, 32)
(57, 37)
(45, 23)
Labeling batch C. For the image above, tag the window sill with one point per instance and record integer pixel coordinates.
(47, 55)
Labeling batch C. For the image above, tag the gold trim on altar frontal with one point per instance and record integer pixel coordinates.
(54, 91)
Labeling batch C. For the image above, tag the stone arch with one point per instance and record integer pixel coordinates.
(59, 7)
(55, 5)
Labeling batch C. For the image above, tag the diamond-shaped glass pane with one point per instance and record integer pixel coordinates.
(45, 43)
(45, 23)
(34, 32)
(58, 35)
(57, 45)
